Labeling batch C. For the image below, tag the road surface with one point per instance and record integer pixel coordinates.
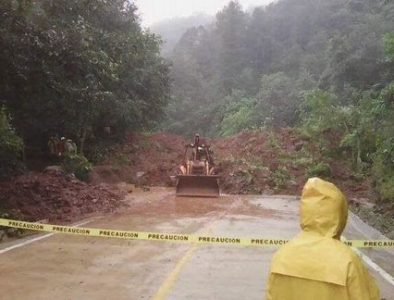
(73, 267)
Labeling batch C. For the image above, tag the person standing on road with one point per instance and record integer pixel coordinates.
(316, 265)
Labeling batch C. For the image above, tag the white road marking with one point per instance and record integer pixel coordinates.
(33, 240)
(373, 265)
(376, 267)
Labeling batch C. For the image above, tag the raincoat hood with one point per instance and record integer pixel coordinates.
(324, 209)
(323, 212)
(315, 264)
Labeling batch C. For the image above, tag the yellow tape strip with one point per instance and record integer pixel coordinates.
(176, 238)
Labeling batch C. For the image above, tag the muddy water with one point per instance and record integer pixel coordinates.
(67, 267)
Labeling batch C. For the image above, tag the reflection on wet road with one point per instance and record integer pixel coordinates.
(69, 267)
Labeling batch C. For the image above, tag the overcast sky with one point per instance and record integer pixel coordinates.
(152, 11)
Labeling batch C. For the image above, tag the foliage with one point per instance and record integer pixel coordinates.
(389, 45)
(278, 100)
(238, 115)
(321, 116)
(280, 177)
(11, 146)
(325, 66)
(318, 110)
(274, 55)
(321, 169)
(77, 165)
(79, 66)
(383, 162)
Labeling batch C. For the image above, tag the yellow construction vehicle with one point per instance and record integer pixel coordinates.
(197, 176)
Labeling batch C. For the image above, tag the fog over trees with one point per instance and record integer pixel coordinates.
(321, 66)
(172, 30)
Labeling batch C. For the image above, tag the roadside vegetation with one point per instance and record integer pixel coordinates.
(11, 147)
(85, 70)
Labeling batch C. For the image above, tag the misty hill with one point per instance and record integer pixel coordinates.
(250, 69)
(171, 30)
(324, 67)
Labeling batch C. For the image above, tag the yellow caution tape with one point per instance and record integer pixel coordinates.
(175, 237)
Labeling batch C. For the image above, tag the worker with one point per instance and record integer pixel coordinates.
(52, 145)
(61, 146)
(196, 141)
(201, 148)
(196, 146)
(70, 147)
(316, 264)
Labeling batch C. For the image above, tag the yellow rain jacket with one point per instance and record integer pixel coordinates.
(316, 265)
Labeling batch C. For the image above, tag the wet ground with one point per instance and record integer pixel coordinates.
(70, 267)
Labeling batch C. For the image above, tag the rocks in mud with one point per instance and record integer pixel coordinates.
(55, 196)
(140, 174)
(54, 169)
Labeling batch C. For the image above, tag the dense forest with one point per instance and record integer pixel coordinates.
(323, 67)
(87, 70)
(72, 68)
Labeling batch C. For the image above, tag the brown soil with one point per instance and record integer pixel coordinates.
(270, 163)
(251, 162)
(143, 160)
(56, 197)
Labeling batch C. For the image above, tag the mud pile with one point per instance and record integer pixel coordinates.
(251, 162)
(55, 196)
(142, 160)
(256, 162)
(279, 162)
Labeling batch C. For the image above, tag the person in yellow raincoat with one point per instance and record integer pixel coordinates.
(316, 265)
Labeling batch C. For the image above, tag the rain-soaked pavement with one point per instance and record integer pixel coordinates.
(73, 267)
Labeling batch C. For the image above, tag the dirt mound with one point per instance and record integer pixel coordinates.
(55, 196)
(143, 160)
(279, 162)
(251, 162)
(256, 162)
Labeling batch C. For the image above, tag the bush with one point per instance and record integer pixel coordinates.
(383, 175)
(78, 165)
(320, 170)
(11, 147)
(280, 178)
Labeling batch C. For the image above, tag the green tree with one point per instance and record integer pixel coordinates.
(279, 98)
(239, 113)
(78, 66)
(11, 147)
(231, 25)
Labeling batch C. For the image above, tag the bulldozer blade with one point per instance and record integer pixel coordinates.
(197, 186)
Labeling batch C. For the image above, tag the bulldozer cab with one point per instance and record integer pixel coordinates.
(197, 178)
(199, 153)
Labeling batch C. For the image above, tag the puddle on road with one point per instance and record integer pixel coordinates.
(196, 207)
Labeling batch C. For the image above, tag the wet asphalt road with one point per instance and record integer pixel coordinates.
(71, 267)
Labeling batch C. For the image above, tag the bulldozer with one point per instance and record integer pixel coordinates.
(197, 175)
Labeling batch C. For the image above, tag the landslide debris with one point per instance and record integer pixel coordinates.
(56, 197)
(251, 162)
(144, 160)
